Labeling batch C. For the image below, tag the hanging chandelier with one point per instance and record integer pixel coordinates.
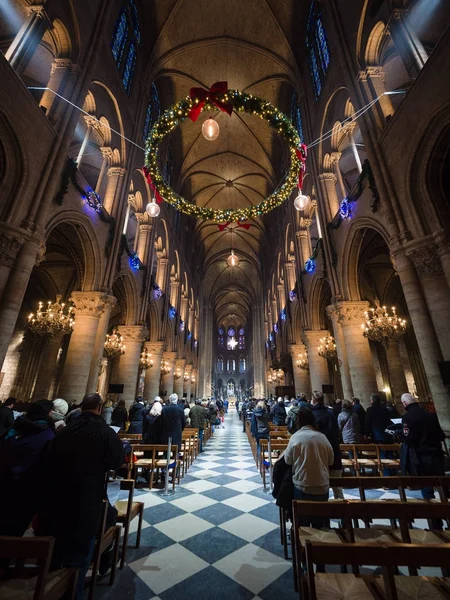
(210, 130)
(302, 361)
(53, 320)
(165, 367)
(301, 201)
(145, 360)
(232, 260)
(382, 326)
(153, 209)
(270, 378)
(327, 348)
(277, 375)
(192, 378)
(114, 345)
(177, 374)
(186, 376)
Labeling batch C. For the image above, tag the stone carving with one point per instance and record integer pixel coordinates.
(155, 348)
(352, 313)
(9, 248)
(133, 333)
(40, 254)
(443, 246)
(426, 260)
(91, 304)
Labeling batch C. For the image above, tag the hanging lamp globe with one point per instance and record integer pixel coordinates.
(301, 201)
(153, 209)
(210, 130)
(233, 260)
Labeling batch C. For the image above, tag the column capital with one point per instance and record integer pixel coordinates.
(144, 222)
(179, 363)
(328, 177)
(311, 337)
(91, 121)
(133, 333)
(91, 304)
(335, 157)
(351, 313)
(10, 244)
(188, 368)
(60, 63)
(107, 152)
(155, 348)
(442, 243)
(296, 349)
(116, 172)
(425, 260)
(170, 356)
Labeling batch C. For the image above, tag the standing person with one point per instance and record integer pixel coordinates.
(198, 416)
(422, 452)
(278, 413)
(260, 423)
(213, 415)
(119, 415)
(302, 401)
(77, 463)
(361, 413)
(153, 423)
(6, 415)
(311, 456)
(244, 414)
(173, 422)
(137, 415)
(377, 420)
(348, 423)
(107, 412)
(22, 449)
(326, 423)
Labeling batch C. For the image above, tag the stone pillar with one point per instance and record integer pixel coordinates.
(443, 251)
(205, 357)
(349, 128)
(290, 273)
(168, 378)
(107, 153)
(318, 367)
(305, 242)
(10, 244)
(88, 308)
(362, 372)
(14, 292)
(178, 383)
(47, 367)
(301, 376)
(258, 351)
(408, 45)
(28, 38)
(397, 376)
(114, 174)
(61, 69)
(426, 336)
(128, 372)
(187, 383)
(344, 370)
(145, 238)
(335, 158)
(153, 374)
(328, 184)
(108, 303)
(161, 272)
(372, 86)
(91, 123)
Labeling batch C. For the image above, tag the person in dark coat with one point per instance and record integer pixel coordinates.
(22, 451)
(198, 415)
(77, 463)
(6, 415)
(361, 413)
(173, 422)
(327, 424)
(422, 452)
(348, 423)
(378, 419)
(260, 423)
(278, 413)
(119, 415)
(153, 423)
(136, 416)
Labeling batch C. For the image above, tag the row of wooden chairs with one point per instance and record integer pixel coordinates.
(349, 513)
(376, 458)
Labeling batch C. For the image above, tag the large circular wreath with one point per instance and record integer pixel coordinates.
(241, 102)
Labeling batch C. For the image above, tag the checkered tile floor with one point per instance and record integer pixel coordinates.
(216, 538)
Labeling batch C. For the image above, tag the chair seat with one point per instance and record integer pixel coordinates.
(23, 589)
(373, 535)
(419, 587)
(425, 536)
(367, 462)
(143, 462)
(339, 586)
(312, 534)
(390, 461)
(347, 462)
(122, 505)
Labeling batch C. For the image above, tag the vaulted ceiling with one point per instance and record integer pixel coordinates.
(249, 45)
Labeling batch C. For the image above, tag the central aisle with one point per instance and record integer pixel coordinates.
(217, 538)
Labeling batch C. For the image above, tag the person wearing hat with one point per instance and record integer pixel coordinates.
(59, 412)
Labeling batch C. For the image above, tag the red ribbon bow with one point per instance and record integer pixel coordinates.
(239, 224)
(301, 153)
(147, 176)
(217, 89)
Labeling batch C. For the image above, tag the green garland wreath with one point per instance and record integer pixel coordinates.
(241, 102)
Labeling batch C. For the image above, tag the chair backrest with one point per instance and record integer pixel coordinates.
(128, 484)
(130, 436)
(39, 549)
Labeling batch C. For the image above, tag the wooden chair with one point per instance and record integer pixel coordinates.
(277, 447)
(389, 586)
(273, 427)
(392, 463)
(106, 537)
(127, 510)
(130, 436)
(34, 580)
(366, 457)
(348, 455)
(154, 458)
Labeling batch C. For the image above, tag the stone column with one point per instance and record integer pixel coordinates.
(145, 237)
(335, 158)
(47, 367)
(443, 251)
(91, 123)
(397, 376)
(258, 351)
(187, 384)
(128, 372)
(372, 86)
(425, 334)
(205, 357)
(334, 315)
(178, 383)
(10, 244)
(14, 292)
(161, 271)
(362, 372)
(349, 128)
(107, 153)
(108, 303)
(301, 376)
(153, 374)
(109, 200)
(88, 308)
(305, 242)
(408, 45)
(61, 69)
(318, 366)
(328, 184)
(28, 38)
(168, 378)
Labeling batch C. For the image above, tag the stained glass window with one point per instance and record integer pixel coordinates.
(129, 68)
(153, 111)
(241, 342)
(242, 365)
(317, 48)
(315, 72)
(119, 38)
(135, 20)
(296, 116)
(322, 44)
(221, 342)
(220, 365)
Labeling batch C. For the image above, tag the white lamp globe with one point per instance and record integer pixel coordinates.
(233, 260)
(301, 202)
(153, 209)
(210, 130)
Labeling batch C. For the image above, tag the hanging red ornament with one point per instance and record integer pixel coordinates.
(212, 95)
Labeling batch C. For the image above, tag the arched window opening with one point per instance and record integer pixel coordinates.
(296, 116)
(231, 339)
(220, 365)
(241, 338)
(126, 33)
(317, 48)
(120, 36)
(231, 365)
(129, 68)
(153, 111)
(242, 365)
